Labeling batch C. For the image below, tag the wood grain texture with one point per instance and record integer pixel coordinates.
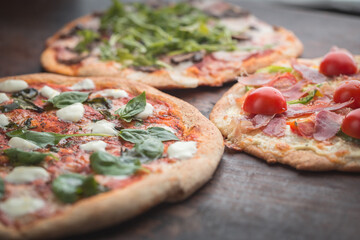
(247, 198)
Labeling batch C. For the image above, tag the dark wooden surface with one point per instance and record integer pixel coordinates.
(246, 198)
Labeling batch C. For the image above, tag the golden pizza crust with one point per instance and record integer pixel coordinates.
(161, 79)
(173, 184)
(299, 159)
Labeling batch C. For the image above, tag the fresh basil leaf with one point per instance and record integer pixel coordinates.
(43, 139)
(132, 108)
(107, 164)
(18, 157)
(68, 98)
(71, 187)
(107, 114)
(134, 135)
(9, 107)
(151, 148)
(2, 188)
(99, 103)
(162, 134)
(274, 69)
(305, 99)
(28, 93)
(347, 138)
(21, 104)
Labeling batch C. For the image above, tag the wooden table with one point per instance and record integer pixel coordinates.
(247, 198)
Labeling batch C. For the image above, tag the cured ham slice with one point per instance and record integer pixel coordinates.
(308, 73)
(276, 127)
(327, 125)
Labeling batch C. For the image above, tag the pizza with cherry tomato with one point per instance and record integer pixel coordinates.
(180, 45)
(303, 113)
(81, 154)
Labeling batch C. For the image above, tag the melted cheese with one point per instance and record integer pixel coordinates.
(86, 84)
(48, 92)
(19, 206)
(148, 111)
(94, 146)
(13, 85)
(182, 150)
(115, 93)
(27, 174)
(183, 80)
(103, 127)
(72, 113)
(22, 144)
(4, 98)
(4, 121)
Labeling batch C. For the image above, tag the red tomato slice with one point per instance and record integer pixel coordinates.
(265, 100)
(346, 91)
(351, 124)
(338, 62)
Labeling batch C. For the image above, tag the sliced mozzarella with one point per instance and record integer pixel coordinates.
(4, 121)
(148, 111)
(27, 174)
(48, 92)
(104, 127)
(4, 98)
(71, 113)
(13, 85)
(86, 84)
(115, 93)
(183, 80)
(22, 144)
(182, 150)
(94, 146)
(19, 206)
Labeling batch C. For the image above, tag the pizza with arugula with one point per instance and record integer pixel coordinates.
(303, 113)
(177, 45)
(78, 154)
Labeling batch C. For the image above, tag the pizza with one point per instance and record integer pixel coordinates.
(169, 46)
(303, 113)
(78, 154)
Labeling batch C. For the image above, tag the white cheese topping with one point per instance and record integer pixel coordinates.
(94, 146)
(13, 85)
(22, 144)
(182, 150)
(115, 93)
(3, 98)
(4, 121)
(86, 84)
(184, 80)
(71, 113)
(19, 206)
(27, 174)
(103, 127)
(48, 92)
(148, 111)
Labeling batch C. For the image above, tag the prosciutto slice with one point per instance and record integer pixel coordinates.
(308, 73)
(297, 110)
(259, 120)
(327, 124)
(306, 129)
(276, 127)
(295, 92)
(255, 80)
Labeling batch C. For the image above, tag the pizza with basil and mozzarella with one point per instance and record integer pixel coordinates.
(81, 154)
(304, 113)
(169, 46)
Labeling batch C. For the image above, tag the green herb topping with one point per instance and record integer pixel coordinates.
(132, 108)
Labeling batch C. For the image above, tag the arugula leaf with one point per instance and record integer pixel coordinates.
(347, 138)
(150, 148)
(43, 139)
(18, 157)
(107, 164)
(274, 69)
(248, 88)
(68, 98)
(71, 187)
(305, 99)
(132, 108)
(88, 37)
(2, 188)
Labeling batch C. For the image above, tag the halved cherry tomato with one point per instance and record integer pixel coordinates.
(348, 90)
(338, 62)
(351, 124)
(265, 100)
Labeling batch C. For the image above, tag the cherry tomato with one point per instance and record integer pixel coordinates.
(338, 62)
(348, 90)
(351, 124)
(265, 100)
